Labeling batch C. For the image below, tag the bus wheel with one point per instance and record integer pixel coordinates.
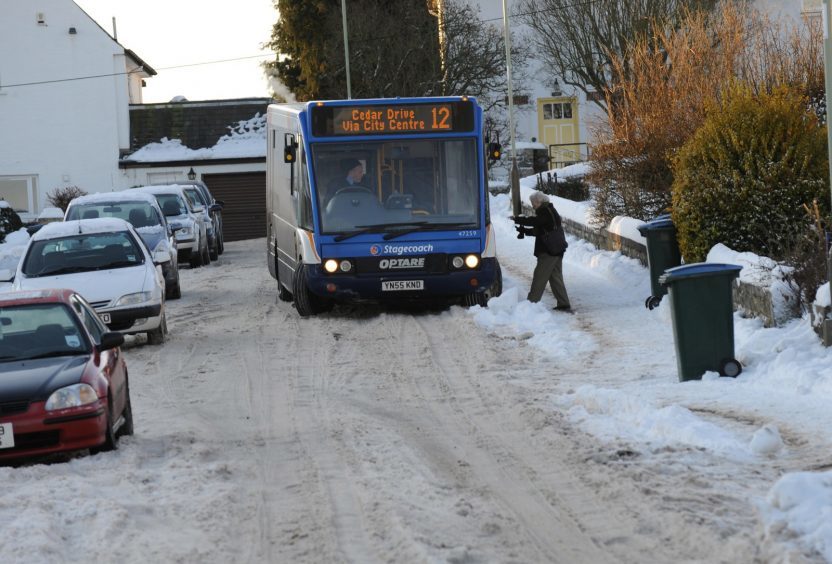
(306, 302)
(497, 287)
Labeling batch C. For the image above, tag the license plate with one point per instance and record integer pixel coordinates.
(397, 285)
(6, 435)
(105, 317)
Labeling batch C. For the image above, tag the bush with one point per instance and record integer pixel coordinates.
(9, 221)
(744, 177)
(572, 187)
(60, 197)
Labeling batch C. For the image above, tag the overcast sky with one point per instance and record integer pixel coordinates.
(176, 33)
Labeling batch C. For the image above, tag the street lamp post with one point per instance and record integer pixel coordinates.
(514, 177)
(346, 47)
(827, 67)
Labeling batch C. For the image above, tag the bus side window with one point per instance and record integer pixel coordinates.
(305, 193)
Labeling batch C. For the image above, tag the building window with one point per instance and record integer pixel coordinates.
(557, 111)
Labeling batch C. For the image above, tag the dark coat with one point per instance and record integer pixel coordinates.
(546, 218)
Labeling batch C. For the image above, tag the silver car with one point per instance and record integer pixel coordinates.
(188, 221)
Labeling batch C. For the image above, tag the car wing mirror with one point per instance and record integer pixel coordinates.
(220, 202)
(111, 340)
(160, 257)
(198, 209)
(215, 208)
(6, 275)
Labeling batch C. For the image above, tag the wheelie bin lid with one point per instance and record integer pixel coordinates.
(658, 224)
(699, 270)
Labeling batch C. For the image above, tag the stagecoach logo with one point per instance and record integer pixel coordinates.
(401, 263)
(401, 249)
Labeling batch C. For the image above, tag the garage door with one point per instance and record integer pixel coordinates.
(244, 194)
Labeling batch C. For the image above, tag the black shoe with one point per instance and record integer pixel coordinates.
(563, 308)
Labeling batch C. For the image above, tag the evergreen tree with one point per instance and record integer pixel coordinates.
(394, 48)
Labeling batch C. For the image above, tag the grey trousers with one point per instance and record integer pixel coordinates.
(549, 269)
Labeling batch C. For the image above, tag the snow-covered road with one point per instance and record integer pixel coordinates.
(376, 435)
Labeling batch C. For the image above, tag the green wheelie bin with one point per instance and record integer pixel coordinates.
(702, 309)
(662, 253)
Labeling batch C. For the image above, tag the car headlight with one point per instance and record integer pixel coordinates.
(184, 231)
(71, 396)
(131, 299)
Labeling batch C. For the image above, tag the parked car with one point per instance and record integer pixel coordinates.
(192, 233)
(105, 261)
(63, 379)
(215, 207)
(144, 214)
(197, 199)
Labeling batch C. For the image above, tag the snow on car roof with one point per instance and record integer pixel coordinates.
(74, 227)
(122, 196)
(162, 188)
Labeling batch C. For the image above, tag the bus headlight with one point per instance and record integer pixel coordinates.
(472, 261)
(457, 262)
(331, 266)
(346, 266)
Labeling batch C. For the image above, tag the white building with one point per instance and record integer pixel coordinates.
(65, 90)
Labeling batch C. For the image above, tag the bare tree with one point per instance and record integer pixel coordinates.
(580, 38)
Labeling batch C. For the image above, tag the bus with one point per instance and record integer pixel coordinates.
(380, 200)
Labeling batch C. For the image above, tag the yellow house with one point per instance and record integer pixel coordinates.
(557, 124)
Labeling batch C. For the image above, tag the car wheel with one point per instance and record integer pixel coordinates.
(206, 254)
(110, 439)
(158, 335)
(215, 251)
(221, 245)
(174, 292)
(195, 258)
(126, 428)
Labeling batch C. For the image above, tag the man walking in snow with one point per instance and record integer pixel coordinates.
(549, 246)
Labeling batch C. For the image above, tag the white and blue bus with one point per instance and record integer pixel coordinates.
(379, 200)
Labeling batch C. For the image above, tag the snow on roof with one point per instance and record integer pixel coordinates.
(122, 196)
(69, 228)
(246, 139)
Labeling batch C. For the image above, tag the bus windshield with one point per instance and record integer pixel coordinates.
(426, 182)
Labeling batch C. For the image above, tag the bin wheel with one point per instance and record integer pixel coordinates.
(652, 302)
(730, 367)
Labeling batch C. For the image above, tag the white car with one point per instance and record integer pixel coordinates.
(186, 218)
(105, 261)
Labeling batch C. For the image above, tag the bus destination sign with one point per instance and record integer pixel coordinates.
(447, 117)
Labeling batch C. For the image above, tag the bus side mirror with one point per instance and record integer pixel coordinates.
(290, 148)
(495, 151)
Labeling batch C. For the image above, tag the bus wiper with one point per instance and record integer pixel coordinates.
(376, 228)
(425, 226)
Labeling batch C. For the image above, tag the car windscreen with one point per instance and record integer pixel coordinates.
(81, 253)
(142, 215)
(171, 204)
(40, 331)
(196, 196)
(429, 182)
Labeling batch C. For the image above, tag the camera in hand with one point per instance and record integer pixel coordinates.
(520, 233)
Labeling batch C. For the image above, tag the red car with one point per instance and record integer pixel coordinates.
(63, 379)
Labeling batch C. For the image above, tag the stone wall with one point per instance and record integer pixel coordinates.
(753, 300)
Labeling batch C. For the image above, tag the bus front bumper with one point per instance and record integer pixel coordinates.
(402, 285)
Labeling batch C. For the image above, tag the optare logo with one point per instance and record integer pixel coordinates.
(374, 250)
